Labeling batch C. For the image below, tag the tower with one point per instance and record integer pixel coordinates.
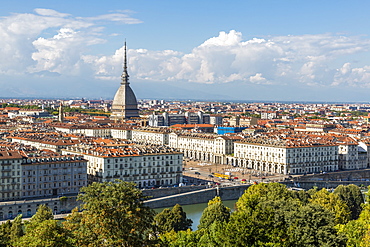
(61, 113)
(124, 103)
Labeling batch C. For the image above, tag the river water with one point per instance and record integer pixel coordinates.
(194, 211)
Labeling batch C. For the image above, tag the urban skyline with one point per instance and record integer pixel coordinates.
(208, 51)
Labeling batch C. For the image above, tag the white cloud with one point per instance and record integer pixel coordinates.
(306, 59)
(26, 46)
(117, 17)
(50, 12)
(61, 53)
(346, 75)
(258, 79)
(49, 43)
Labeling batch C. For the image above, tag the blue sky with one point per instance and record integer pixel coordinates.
(211, 50)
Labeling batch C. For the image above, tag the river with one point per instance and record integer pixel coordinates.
(194, 211)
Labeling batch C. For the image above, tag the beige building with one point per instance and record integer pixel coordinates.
(144, 165)
(204, 147)
(121, 133)
(157, 136)
(285, 156)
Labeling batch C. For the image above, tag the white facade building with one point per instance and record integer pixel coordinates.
(145, 166)
(157, 136)
(285, 156)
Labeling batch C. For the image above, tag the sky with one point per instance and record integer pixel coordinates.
(260, 50)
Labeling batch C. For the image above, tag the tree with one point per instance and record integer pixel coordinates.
(174, 219)
(113, 215)
(5, 233)
(40, 231)
(263, 192)
(358, 231)
(334, 204)
(216, 211)
(179, 239)
(43, 213)
(352, 196)
(270, 215)
(312, 225)
(48, 233)
(262, 224)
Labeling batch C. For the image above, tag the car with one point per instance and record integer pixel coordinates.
(210, 176)
(197, 173)
(236, 178)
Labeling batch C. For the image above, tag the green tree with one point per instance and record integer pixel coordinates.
(312, 225)
(358, 231)
(113, 215)
(261, 224)
(180, 239)
(5, 233)
(43, 213)
(270, 215)
(352, 196)
(211, 236)
(47, 233)
(216, 211)
(174, 219)
(263, 192)
(16, 231)
(334, 204)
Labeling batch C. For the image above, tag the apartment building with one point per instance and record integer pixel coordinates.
(285, 156)
(52, 175)
(204, 147)
(144, 165)
(10, 175)
(157, 136)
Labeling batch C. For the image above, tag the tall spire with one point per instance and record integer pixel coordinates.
(124, 75)
(61, 113)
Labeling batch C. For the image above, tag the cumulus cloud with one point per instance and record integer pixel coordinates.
(26, 46)
(50, 43)
(284, 60)
(61, 53)
(346, 75)
(258, 79)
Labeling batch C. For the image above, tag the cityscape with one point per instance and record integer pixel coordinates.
(108, 142)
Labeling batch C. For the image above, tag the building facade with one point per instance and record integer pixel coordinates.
(146, 166)
(53, 176)
(10, 175)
